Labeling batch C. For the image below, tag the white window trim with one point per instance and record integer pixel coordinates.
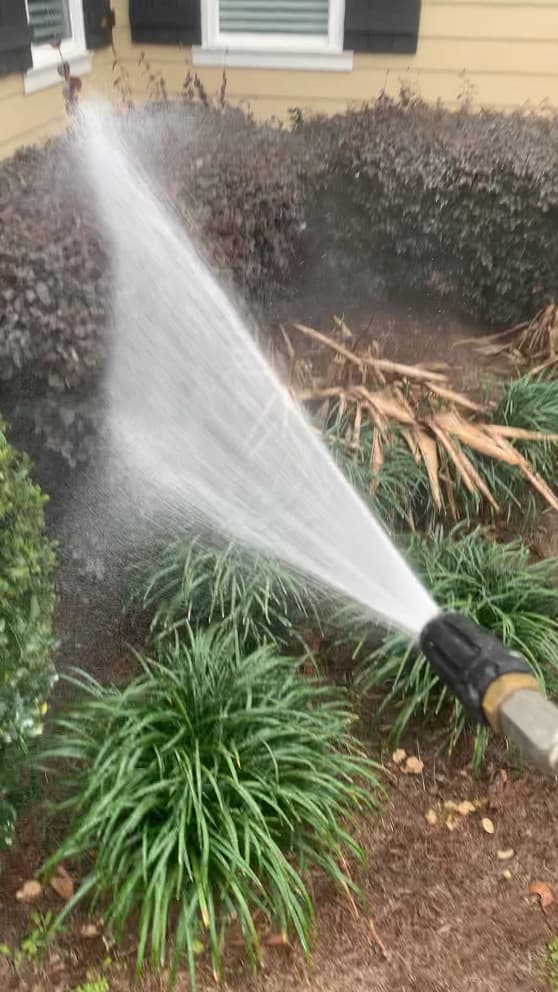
(46, 59)
(273, 51)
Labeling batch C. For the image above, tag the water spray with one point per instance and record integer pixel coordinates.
(494, 685)
(199, 415)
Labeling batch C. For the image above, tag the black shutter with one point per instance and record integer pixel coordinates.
(15, 47)
(166, 22)
(382, 25)
(99, 22)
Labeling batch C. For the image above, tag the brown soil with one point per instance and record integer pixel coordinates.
(420, 329)
(444, 916)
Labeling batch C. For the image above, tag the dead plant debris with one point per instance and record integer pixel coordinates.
(544, 892)
(532, 343)
(440, 425)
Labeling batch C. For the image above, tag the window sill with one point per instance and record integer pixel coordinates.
(45, 72)
(260, 59)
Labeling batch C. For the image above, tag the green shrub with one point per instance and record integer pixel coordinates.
(204, 790)
(499, 587)
(253, 596)
(460, 201)
(26, 607)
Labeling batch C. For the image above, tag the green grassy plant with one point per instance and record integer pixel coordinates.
(552, 964)
(254, 597)
(203, 792)
(497, 586)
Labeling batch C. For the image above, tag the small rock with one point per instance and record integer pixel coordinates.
(89, 930)
(487, 825)
(398, 756)
(465, 808)
(431, 817)
(505, 855)
(43, 293)
(506, 874)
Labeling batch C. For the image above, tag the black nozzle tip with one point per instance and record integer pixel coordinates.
(467, 658)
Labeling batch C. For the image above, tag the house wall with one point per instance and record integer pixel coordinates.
(498, 53)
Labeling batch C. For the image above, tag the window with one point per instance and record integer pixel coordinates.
(49, 21)
(296, 34)
(53, 22)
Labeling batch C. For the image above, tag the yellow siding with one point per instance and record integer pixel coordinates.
(497, 53)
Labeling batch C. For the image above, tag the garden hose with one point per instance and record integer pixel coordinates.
(494, 685)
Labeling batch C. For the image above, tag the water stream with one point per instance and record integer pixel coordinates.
(199, 417)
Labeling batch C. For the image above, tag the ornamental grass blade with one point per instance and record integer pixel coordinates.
(454, 454)
(453, 397)
(429, 451)
(519, 433)
(408, 436)
(536, 481)
(474, 436)
(479, 481)
(357, 428)
(377, 461)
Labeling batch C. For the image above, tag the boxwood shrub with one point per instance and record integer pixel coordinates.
(26, 609)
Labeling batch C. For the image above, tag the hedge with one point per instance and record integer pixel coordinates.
(234, 183)
(463, 203)
(26, 608)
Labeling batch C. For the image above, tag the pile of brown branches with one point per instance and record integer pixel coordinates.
(444, 429)
(532, 344)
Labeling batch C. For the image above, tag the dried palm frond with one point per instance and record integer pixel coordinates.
(465, 457)
(533, 343)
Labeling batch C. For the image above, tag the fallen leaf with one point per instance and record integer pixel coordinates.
(466, 807)
(377, 939)
(452, 822)
(487, 825)
(62, 883)
(277, 940)
(544, 892)
(431, 817)
(30, 891)
(399, 756)
(413, 766)
(505, 855)
(89, 930)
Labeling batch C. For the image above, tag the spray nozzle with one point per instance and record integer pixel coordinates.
(495, 686)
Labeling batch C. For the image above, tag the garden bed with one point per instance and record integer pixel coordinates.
(446, 919)
(451, 853)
